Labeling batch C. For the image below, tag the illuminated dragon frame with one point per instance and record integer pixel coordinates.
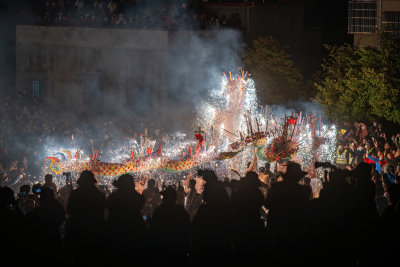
(228, 119)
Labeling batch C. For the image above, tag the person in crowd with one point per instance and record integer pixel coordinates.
(170, 230)
(12, 228)
(332, 220)
(287, 204)
(249, 232)
(193, 199)
(152, 199)
(377, 159)
(126, 228)
(361, 130)
(342, 157)
(360, 154)
(45, 227)
(389, 226)
(48, 183)
(26, 201)
(365, 215)
(85, 226)
(352, 154)
(380, 199)
(180, 199)
(212, 230)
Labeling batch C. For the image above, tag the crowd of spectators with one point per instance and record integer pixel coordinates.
(139, 14)
(370, 144)
(246, 221)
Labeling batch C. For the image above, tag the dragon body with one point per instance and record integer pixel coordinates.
(135, 165)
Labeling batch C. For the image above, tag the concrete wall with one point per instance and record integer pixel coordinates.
(390, 5)
(89, 66)
(366, 40)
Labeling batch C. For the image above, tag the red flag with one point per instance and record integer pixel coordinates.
(291, 121)
(367, 160)
(190, 150)
(383, 162)
(77, 154)
(132, 154)
(149, 151)
(159, 150)
(95, 156)
(200, 138)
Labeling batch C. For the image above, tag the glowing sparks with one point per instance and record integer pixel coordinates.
(224, 117)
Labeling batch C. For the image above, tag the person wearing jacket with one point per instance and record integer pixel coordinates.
(342, 157)
(377, 158)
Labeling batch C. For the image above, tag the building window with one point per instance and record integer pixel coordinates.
(362, 17)
(391, 21)
(35, 88)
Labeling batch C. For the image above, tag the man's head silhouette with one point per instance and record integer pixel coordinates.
(293, 172)
(86, 179)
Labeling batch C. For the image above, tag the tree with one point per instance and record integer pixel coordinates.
(277, 78)
(361, 83)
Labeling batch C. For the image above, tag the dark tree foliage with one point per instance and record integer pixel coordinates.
(277, 78)
(361, 83)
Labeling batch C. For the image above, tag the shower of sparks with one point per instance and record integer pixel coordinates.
(224, 117)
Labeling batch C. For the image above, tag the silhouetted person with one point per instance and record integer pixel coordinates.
(287, 203)
(249, 232)
(390, 227)
(12, 232)
(46, 220)
(193, 200)
(26, 201)
(332, 221)
(48, 182)
(85, 223)
(170, 229)
(126, 227)
(213, 223)
(365, 216)
(180, 198)
(152, 199)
